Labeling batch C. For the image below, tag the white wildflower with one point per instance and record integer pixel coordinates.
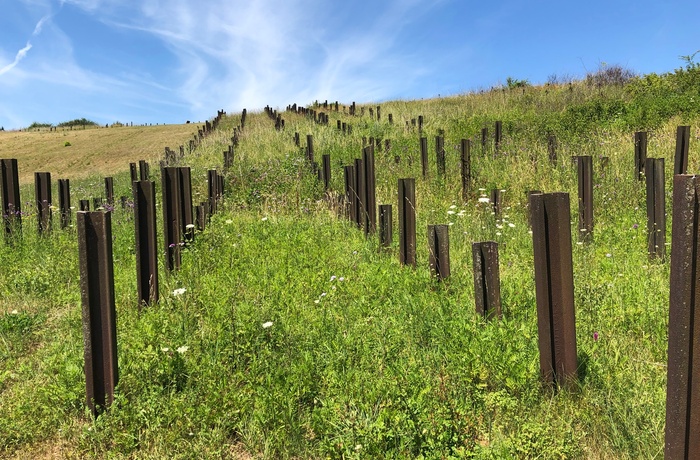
(179, 291)
(165, 349)
(511, 225)
(189, 226)
(267, 324)
(450, 212)
(484, 199)
(229, 221)
(264, 219)
(182, 349)
(333, 278)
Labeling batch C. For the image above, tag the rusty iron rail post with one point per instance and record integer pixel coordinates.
(370, 201)
(359, 189)
(465, 167)
(84, 205)
(552, 148)
(98, 308)
(640, 154)
(11, 203)
(585, 198)
(146, 241)
(424, 156)
(144, 170)
(656, 208)
(42, 194)
(349, 178)
(496, 202)
(484, 139)
(497, 136)
(170, 184)
(134, 172)
(554, 285)
(64, 202)
(386, 236)
(326, 171)
(407, 221)
(109, 190)
(212, 190)
(680, 164)
(487, 281)
(440, 155)
(439, 251)
(186, 206)
(310, 148)
(682, 437)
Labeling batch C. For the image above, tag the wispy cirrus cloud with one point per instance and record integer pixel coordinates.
(222, 54)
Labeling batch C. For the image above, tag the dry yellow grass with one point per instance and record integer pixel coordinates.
(91, 151)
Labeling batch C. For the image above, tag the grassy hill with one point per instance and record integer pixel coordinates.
(296, 337)
(81, 152)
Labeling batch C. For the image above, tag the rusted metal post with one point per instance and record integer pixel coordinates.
(484, 139)
(439, 251)
(84, 205)
(585, 198)
(326, 171)
(496, 202)
(385, 226)
(680, 164)
(440, 155)
(360, 193)
(228, 158)
(349, 178)
(498, 136)
(420, 123)
(134, 172)
(171, 217)
(554, 285)
(42, 193)
(465, 167)
(370, 201)
(186, 207)
(407, 221)
(487, 281)
(212, 189)
(64, 202)
(310, 148)
(98, 308)
(528, 193)
(146, 242)
(391, 118)
(11, 203)
(640, 153)
(109, 190)
(683, 378)
(656, 208)
(424, 156)
(552, 148)
(200, 212)
(144, 170)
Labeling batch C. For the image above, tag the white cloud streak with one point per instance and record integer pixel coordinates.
(18, 57)
(249, 54)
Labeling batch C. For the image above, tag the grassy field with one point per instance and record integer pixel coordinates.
(90, 151)
(296, 337)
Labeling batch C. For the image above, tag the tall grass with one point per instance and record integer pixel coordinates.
(296, 337)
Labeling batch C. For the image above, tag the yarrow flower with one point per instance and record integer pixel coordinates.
(182, 349)
(267, 324)
(484, 199)
(179, 291)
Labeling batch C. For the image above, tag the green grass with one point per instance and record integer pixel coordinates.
(364, 358)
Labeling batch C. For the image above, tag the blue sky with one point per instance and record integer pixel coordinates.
(168, 61)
